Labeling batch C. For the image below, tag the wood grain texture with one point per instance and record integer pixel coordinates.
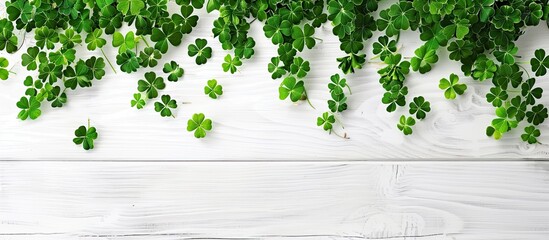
(424, 201)
(249, 120)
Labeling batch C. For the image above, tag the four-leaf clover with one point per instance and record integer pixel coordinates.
(199, 124)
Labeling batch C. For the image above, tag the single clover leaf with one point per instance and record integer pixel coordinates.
(245, 50)
(8, 40)
(425, 56)
(149, 57)
(30, 108)
(276, 28)
(303, 37)
(213, 89)
(166, 106)
(349, 63)
(530, 93)
(33, 58)
(138, 101)
(292, 88)
(169, 33)
(200, 50)
(94, 39)
(85, 136)
(460, 49)
(506, 17)
(46, 37)
(151, 85)
(484, 69)
(540, 62)
(420, 107)
(530, 135)
(122, 42)
(70, 38)
(77, 76)
(502, 124)
(383, 47)
(537, 114)
(175, 72)
(231, 64)
(507, 55)
(96, 67)
(199, 124)
(497, 96)
(128, 61)
(326, 121)
(451, 87)
(300, 67)
(275, 68)
(405, 124)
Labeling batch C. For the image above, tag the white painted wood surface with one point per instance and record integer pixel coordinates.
(335, 201)
(249, 120)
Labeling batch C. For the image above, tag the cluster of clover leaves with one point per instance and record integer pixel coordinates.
(478, 34)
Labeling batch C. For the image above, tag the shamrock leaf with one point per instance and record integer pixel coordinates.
(96, 67)
(529, 92)
(62, 57)
(396, 96)
(502, 124)
(200, 50)
(8, 41)
(212, 89)
(403, 14)
(77, 76)
(506, 17)
(50, 72)
(3, 71)
(275, 68)
(276, 28)
(33, 58)
(452, 88)
(484, 68)
(57, 97)
(420, 107)
(85, 136)
(199, 124)
(168, 34)
(231, 64)
(94, 39)
(507, 55)
(425, 56)
(383, 47)
(300, 67)
(405, 124)
(30, 108)
(245, 50)
(123, 43)
(530, 135)
(508, 74)
(138, 101)
(537, 114)
(149, 57)
(460, 49)
(497, 96)
(349, 63)
(46, 37)
(326, 121)
(70, 38)
(540, 62)
(292, 88)
(132, 6)
(174, 71)
(165, 107)
(151, 85)
(186, 22)
(128, 61)
(303, 37)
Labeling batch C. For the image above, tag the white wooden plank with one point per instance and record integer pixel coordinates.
(249, 120)
(433, 201)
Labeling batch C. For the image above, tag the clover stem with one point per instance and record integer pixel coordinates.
(186, 102)
(398, 37)
(319, 39)
(339, 121)
(375, 57)
(22, 42)
(145, 41)
(522, 62)
(88, 123)
(12, 72)
(253, 20)
(348, 87)
(308, 101)
(109, 61)
(344, 135)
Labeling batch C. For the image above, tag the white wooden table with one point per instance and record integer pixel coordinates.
(136, 197)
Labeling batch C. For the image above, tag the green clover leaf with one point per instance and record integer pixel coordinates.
(383, 47)
(166, 106)
(452, 87)
(212, 89)
(128, 61)
(530, 135)
(537, 114)
(200, 50)
(30, 108)
(85, 136)
(122, 42)
(231, 64)
(292, 88)
(420, 107)
(303, 37)
(133, 7)
(326, 121)
(175, 72)
(405, 124)
(149, 57)
(94, 40)
(275, 68)
(3, 71)
(151, 85)
(138, 101)
(540, 62)
(300, 67)
(33, 58)
(168, 34)
(199, 124)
